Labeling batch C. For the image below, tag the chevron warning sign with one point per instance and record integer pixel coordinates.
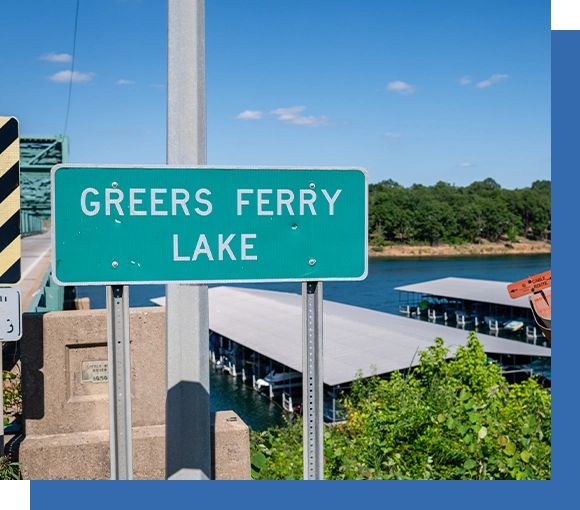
(9, 201)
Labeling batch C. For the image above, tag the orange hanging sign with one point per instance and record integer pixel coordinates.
(530, 285)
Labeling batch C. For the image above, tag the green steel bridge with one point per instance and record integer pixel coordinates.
(38, 154)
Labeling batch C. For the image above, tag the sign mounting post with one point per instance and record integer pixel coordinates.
(187, 432)
(312, 381)
(119, 376)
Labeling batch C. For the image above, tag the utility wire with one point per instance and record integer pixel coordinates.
(72, 67)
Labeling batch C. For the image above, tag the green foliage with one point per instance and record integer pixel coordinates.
(447, 419)
(12, 406)
(282, 444)
(450, 214)
(12, 393)
(378, 241)
(9, 470)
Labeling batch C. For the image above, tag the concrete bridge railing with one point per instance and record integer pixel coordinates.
(65, 407)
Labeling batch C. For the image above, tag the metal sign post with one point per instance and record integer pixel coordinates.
(312, 381)
(119, 375)
(187, 426)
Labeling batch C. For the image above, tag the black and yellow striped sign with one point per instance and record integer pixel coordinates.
(9, 201)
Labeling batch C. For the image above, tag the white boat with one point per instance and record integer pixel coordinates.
(280, 379)
(261, 382)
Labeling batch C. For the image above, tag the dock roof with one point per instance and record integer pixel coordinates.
(484, 291)
(354, 338)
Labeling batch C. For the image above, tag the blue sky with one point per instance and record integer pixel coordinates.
(414, 91)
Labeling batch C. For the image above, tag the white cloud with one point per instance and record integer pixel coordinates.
(65, 77)
(250, 115)
(401, 87)
(392, 135)
(56, 57)
(288, 113)
(125, 82)
(466, 165)
(491, 80)
(464, 80)
(311, 121)
(292, 116)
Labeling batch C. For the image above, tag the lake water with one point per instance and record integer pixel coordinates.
(376, 292)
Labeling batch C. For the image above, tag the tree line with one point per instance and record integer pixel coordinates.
(448, 214)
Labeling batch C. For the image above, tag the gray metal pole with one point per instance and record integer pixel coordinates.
(187, 429)
(312, 381)
(119, 375)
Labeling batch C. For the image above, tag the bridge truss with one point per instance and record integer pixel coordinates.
(38, 154)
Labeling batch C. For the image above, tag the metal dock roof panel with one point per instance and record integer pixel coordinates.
(354, 338)
(484, 291)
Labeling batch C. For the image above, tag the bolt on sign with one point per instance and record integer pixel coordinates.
(9, 201)
(144, 224)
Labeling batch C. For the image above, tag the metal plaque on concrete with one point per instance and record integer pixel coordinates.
(144, 224)
(10, 314)
(94, 371)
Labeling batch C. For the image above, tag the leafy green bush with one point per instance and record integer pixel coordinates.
(456, 419)
(11, 394)
(9, 470)
(378, 241)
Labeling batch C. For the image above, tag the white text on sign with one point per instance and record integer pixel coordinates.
(174, 201)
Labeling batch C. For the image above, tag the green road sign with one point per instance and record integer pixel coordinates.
(144, 224)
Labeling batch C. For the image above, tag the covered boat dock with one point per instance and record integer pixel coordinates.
(260, 332)
(482, 305)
